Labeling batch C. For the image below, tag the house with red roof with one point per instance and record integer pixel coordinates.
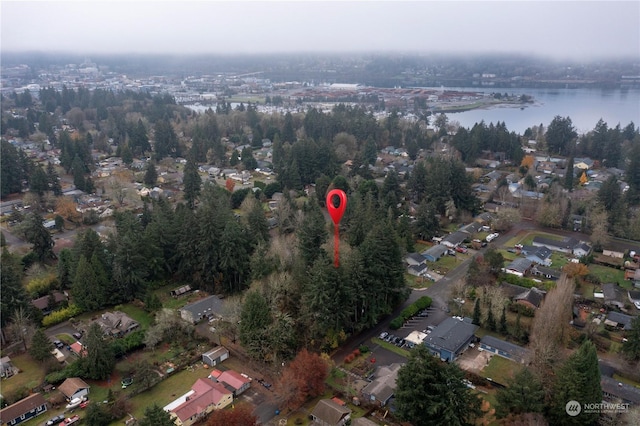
(78, 349)
(232, 380)
(205, 396)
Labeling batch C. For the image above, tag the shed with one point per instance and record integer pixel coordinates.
(215, 356)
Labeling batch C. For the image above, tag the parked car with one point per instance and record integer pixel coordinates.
(461, 249)
(77, 335)
(58, 344)
(55, 420)
(383, 335)
(492, 237)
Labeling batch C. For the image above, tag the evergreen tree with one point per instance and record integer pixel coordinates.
(87, 289)
(156, 416)
(568, 175)
(78, 173)
(523, 394)
(578, 379)
(288, 132)
(312, 234)
(254, 323)
(430, 392)
(13, 292)
(53, 179)
(503, 321)
(39, 237)
(11, 172)
(631, 348)
(38, 181)
(99, 360)
(477, 314)
(192, 183)
(150, 175)
(41, 346)
(491, 320)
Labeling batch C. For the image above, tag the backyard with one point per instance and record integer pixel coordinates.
(500, 370)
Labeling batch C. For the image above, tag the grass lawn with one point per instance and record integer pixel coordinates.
(166, 391)
(417, 282)
(391, 347)
(558, 260)
(143, 317)
(447, 263)
(31, 375)
(500, 369)
(608, 275)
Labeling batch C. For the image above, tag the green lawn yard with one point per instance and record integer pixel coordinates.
(31, 375)
(500, 369)
(609, 275)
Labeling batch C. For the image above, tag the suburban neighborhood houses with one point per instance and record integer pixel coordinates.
(171, 261)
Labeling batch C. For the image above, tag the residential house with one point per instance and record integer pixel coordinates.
(74, 387)
(618, 320)
(531, 297)
(613, 253)
(433, 254)
(23, 410)
(564, 245)
(583, 163)
(548, 273)
(537, 254)
(208, 307)
(547, 167)
(383, 385)
(7, 369)
(327, 412)
(518, 266)
(116, 324)
(414, 259)
(47, 303)
(504, 349)
(235, 382)
(454, 239)
(471, 228)
(484, 218)
(418, 270)
(450, 338)
(204, 397)
(581, 249)
(612, 295)
(614, 391)
(215, 356)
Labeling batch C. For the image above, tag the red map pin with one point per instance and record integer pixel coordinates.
(336, 205)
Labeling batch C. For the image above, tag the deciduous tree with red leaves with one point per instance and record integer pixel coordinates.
(236, 416)
(302, 379)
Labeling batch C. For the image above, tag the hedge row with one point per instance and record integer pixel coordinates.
(61, 315)
(527, 282)
(408, 312)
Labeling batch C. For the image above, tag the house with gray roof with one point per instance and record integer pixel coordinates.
(504, 349)
(418, 270)
(327, 412)
(548, 273)
(472, 228)
(613, 295)
(532, 297)
(433, 254)
(454, 239)
(414, 259)
(383, 385)
(568, 245)
(537, 254)
(208, 307)
(518, 266)
(614, 391)
(450, 338)
(616, 319)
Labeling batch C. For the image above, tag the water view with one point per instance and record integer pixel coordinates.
(584, 106)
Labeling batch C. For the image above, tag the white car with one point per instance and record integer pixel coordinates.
(492, 237)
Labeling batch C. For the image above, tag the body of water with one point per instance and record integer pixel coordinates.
(584, 106)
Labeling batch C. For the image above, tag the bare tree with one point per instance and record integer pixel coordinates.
(21, 328)
(505, 218)
(550, 328)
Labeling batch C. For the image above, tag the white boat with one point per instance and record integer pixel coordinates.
(75, 402)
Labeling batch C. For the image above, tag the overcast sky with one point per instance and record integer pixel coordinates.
(560, 29)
